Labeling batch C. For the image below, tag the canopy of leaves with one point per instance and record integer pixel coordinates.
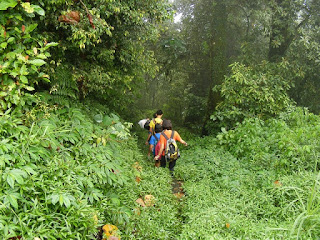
(101, 52)
(103, 42)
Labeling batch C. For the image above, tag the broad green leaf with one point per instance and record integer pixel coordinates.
(24, 79)
(51, 44)
(9, 56)
(19, 179)
(29, 88)
(30, 169)
(223, 130)
(116, 201)
(12, 200)
(54, 198)
(38, 10)
(23, 70)
(5, 4)
(107, 120)
(37, 62)
(17, 174)
(61, 200)
(115, 117)
(5, 158)
(3, 45)
(31, 27)
(42, 56)
(11, 39)
(10, 180)
(3, 104)
(66, 201)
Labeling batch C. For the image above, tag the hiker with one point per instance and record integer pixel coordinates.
(167, 135)
(154, 139)
(147, 126)
(143, 122)
(157, 120)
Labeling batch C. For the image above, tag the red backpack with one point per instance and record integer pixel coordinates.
(157, 147)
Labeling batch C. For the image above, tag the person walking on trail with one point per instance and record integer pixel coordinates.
(157, 120)
(142, 122)
(150, 133)
(168, 137)
(154, 139)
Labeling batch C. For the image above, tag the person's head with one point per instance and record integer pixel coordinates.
(167, 124)
(159, 113)
(154, 115)
(158, 128)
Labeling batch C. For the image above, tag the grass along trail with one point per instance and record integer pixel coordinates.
(259, 181)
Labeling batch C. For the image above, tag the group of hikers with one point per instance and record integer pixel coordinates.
(162, 140)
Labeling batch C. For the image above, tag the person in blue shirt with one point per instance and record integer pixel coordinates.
(154, 139)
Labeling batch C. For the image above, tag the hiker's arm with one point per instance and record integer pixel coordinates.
(178, 138)
(183, 142)
(148, 139)
(160, 152)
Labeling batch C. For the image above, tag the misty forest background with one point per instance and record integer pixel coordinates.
(239, 79)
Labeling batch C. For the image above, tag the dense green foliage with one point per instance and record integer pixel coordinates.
(234, 69)
(22, 53)
(65, 174)
(259, 91)
(101, 52)
(68, 171)
(56, 176)
(289, 143)
(262, 183)
(103, 42)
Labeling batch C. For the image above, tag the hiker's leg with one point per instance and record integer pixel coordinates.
(163, 162)
(171, 165)
(157, 163)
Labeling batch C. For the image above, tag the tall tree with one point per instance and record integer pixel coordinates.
(286, 19)
(213, 31)
(218, 59)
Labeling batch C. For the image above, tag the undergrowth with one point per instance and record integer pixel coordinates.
(66, 172)
(258, 181)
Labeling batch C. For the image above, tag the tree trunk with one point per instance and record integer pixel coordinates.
(281, 36)
(218, 64)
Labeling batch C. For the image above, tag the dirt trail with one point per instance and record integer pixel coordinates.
(177, 187)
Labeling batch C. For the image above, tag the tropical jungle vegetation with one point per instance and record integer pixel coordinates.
(239, 80)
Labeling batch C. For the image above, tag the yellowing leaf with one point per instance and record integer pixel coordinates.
(110, 230)
(149, 200)
(140, 202)
(27, 7)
